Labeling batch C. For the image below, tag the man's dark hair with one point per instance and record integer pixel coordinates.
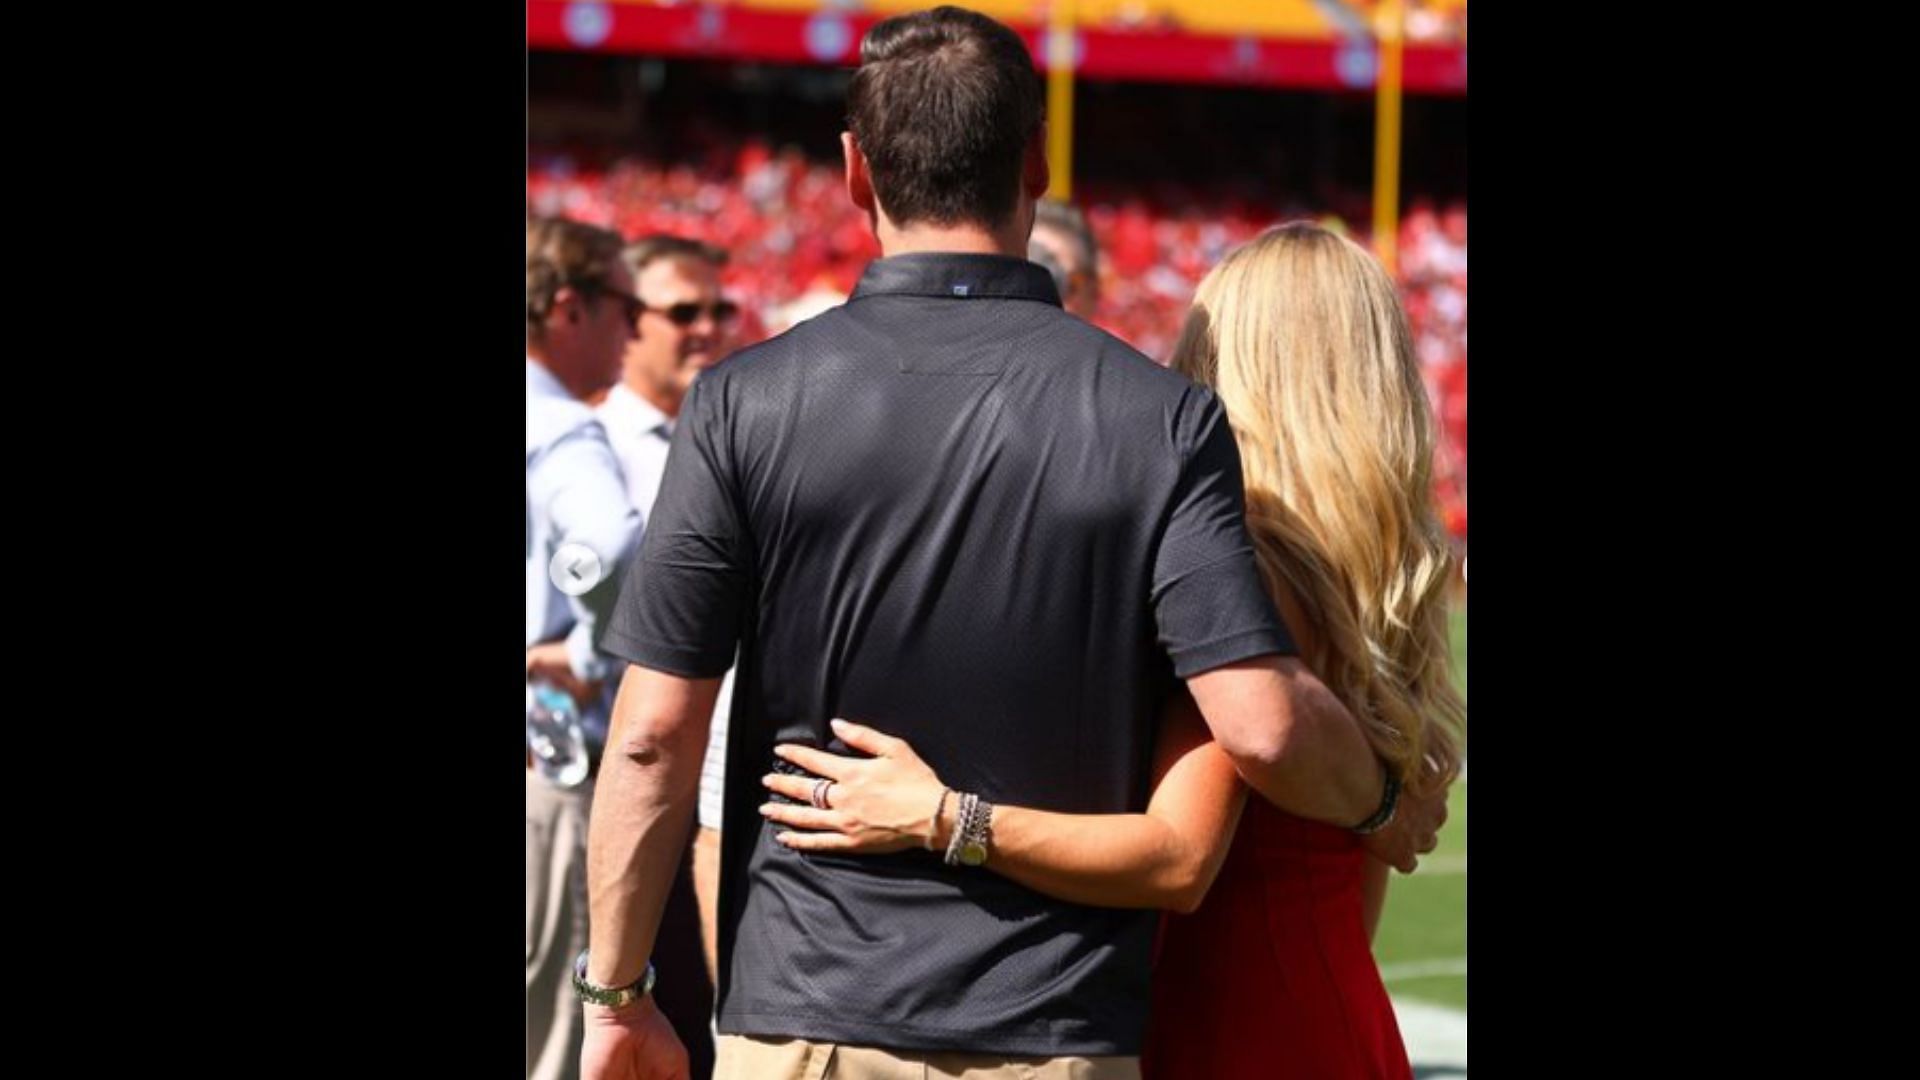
(943, 106)
(559, 253)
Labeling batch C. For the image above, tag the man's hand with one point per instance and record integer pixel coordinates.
(549, 661)
(1414, 831)
(634, 1042)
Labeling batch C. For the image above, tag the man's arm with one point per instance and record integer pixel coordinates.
(642, 814)
(677, 621)
(1302, 750)
(1291, 739)
(636, 839)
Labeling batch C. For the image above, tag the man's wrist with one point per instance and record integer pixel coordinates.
(611, 997)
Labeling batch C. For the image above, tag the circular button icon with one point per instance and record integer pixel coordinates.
(587, 24)
(575, 569)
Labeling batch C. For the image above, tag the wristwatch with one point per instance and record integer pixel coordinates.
(611, 997)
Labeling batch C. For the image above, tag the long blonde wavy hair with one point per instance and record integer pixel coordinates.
(1301, 334)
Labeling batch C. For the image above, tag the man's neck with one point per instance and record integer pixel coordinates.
(539, 355)
(952, 239)
(668, 403)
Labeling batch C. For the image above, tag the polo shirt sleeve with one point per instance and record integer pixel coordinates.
(680, 608)
(1209, 604)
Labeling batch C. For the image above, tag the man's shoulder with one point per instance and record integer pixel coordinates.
(553, 420)
(1136, 388)
(1124, 374)
(1120, 358)
(762, 359)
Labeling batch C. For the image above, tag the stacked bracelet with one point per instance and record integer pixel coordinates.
(972, 832)
(961, 815)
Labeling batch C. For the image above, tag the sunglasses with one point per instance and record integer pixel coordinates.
(723, 311)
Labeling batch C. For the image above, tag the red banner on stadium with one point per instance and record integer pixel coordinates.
(718, 32)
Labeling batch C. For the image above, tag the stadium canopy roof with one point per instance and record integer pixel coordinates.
(1302, 44)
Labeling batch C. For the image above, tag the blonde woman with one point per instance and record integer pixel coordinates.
(1270, 970)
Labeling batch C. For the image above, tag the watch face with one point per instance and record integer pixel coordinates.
(973, 854)
(611, 997)
(598, 995)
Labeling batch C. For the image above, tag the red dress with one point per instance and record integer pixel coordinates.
(1273, 976)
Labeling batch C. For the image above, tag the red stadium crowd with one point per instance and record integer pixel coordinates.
(794, 238)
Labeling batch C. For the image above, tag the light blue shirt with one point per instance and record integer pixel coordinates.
(575, 495)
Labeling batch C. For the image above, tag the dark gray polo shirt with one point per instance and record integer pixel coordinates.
(956, 513)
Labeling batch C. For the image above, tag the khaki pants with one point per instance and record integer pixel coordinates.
(556, 924)
(749, 1058)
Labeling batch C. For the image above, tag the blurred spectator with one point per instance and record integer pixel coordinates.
(1063, 243)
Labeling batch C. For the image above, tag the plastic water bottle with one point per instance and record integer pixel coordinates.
(554, 735)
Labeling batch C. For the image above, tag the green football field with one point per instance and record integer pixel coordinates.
(1422, 943)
